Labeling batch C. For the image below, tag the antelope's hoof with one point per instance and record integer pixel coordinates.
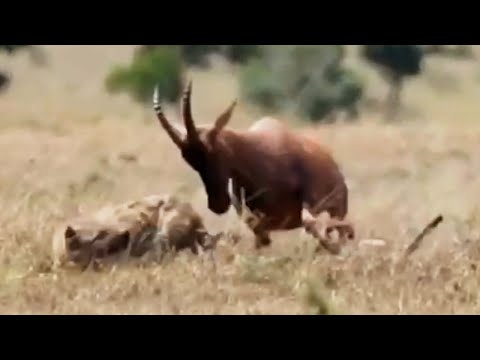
(350, 233)
(345, 231)
(233, 238)
(333, 249)
(261, 243)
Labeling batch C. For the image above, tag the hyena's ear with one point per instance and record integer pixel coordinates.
(69, 232)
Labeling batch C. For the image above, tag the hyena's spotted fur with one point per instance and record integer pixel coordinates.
(143, 228)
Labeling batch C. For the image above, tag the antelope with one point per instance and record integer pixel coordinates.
(287, 178)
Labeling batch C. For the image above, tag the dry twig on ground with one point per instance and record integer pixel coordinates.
(429, 228)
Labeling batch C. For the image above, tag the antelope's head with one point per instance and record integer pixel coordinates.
(200, 148)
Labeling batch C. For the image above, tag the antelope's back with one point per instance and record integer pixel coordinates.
(278, 136)
(305, 153)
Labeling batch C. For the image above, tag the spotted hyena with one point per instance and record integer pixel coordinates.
(142, 228)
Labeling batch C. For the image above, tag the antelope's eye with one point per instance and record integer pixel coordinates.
(196, 158)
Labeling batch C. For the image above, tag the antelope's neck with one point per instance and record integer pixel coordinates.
(234, 151)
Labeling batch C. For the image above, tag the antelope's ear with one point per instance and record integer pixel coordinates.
(69, 232)
(223, 119)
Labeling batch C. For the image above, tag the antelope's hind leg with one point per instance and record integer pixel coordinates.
(344, 228)
(321, 230)
(335, 205)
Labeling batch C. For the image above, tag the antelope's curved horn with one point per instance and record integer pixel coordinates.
(175, 132)
(187, 113)
(224, 118)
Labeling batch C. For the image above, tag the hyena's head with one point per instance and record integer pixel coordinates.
(82, 244)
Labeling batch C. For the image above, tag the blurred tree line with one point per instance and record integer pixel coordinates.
(312, 80)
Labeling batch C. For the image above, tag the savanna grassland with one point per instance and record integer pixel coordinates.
(68, 146)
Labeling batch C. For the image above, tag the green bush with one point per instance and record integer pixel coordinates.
(260, 87)
(160, 66)
(240, 53)
(348, 88)
(193, 55)
(401, 60)
(310, 79)
(396, 63)
(197, 55)
(315, 100)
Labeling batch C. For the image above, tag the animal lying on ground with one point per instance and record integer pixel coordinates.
(135, 229)
(283, 177)
(182, 227)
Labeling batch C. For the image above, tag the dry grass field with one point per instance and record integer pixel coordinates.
(69, 146)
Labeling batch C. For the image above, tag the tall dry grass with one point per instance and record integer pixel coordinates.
(68, 146)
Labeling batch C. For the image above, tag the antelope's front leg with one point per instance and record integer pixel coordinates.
(235, 196)
(256, 223)
(262, 239)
